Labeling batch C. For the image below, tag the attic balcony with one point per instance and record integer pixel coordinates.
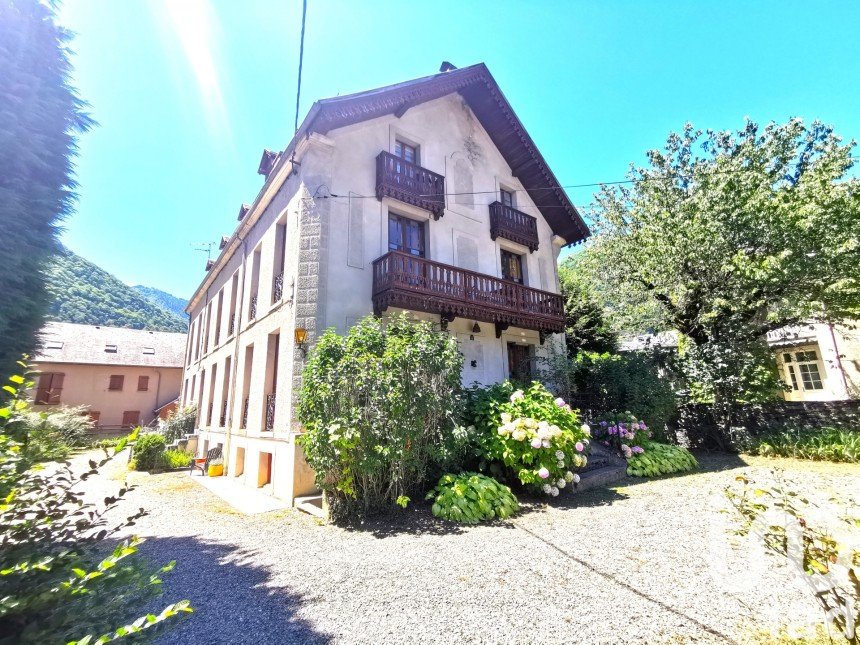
(409, 183)
(513, 225)
(415, 283)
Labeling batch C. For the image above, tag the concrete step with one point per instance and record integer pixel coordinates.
(312, 504)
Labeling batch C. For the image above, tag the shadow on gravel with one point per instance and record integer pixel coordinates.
(416, 519)
(231, 601)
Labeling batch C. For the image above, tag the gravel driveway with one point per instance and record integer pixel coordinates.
(645, 562)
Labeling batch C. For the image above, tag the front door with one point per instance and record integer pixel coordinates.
(519, 363)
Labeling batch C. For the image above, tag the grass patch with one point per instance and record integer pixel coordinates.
(822, 444)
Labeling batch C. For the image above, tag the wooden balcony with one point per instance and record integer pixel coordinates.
(513, 225)
(409, 183)
(410, 282)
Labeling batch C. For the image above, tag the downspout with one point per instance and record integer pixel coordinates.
(838, 358)
(235, 366)
(157, 390)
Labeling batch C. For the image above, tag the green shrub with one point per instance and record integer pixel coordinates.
(149, 452)
(52, 434)
(610, 383)
(536, 436)
(176, 459)
(826, 444)
(380, 407)
(179, 423)
(471, 498)
(58, 582)
(660, 459)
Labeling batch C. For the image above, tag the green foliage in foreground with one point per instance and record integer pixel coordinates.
(53, 434)
(471, 498)
(58, 582)
(821, 444)
(660, 459)
(86, 294)
(179, 423)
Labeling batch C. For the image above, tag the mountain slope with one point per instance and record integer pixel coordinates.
(163, 299)
(85, 294)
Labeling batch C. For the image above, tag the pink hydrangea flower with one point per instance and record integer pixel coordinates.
(579, 446)
(638, 449)
(559, 402)
(536, 443)
(543, 473)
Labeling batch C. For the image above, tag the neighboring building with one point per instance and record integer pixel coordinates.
(818, 362)
(123, 375)
(427, 196)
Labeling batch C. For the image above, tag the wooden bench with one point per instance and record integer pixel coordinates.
(202, 463)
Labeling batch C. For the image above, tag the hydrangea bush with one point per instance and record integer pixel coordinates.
(623, 433)
(471, 498)
(538, 437)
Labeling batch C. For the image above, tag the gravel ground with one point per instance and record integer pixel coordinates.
(645, 562)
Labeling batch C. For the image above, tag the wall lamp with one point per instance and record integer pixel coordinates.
(301, 338)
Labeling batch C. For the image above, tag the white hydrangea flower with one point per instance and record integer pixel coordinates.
(568, 476)
(561, 483)
(517, 396)
(575, 478)
(547, 489)
(506, 417)
(554, 492)
(518, 435)
(586, 429)
(561, 464)
(559, 455)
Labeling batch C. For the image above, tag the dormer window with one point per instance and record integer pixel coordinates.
(110, 349)
(54, 344)
(149, 351)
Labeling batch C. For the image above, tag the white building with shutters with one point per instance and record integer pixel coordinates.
(426, 196)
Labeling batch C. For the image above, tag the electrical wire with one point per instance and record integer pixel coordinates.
(301, 59)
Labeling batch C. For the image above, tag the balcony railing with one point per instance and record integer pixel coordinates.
(232, 326)
(409, 183)
(513, 225)
(252, 310)
(245, 414)
(209, 414)
(270, 411)
(278, 287)
(223, 419)
(410, 282)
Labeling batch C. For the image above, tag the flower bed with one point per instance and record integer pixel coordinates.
(630, 437)
(537, 437)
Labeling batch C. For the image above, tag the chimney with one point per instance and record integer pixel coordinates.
(446, 66)
(243, 211)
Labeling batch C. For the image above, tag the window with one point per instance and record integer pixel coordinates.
(507, 197)
(142, 383)
(406, 152)
(807, 365)
(804, 363)
(49, 388)
(110, 349)
(116, 382)
(95, 416)
(405, 235)
(512, 267)
(131, 417)
(54, 344)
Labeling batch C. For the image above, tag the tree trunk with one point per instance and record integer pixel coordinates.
(723, 409)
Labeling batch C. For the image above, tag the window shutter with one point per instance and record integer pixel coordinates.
(116, 382)
(56, 388)
(142, 383)
(130, 417)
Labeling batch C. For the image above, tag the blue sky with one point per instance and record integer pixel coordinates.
(188, 93)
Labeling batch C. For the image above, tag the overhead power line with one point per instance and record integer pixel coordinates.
(301, 58)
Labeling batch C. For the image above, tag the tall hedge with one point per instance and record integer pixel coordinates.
(40, 117)
(380, 408)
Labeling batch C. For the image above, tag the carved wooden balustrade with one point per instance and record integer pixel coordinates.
(410, 183)
(410, 282)
(513, 225)
(270, 411)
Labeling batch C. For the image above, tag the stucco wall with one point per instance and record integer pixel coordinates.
(88, 385)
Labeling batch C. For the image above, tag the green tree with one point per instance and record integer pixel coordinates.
(41, 117)
(585, 326)
(734, 235)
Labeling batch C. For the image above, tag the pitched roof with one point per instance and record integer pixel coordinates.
(483, 95)
(100, 345)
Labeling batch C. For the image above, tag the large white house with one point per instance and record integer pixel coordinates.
(427, 196)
